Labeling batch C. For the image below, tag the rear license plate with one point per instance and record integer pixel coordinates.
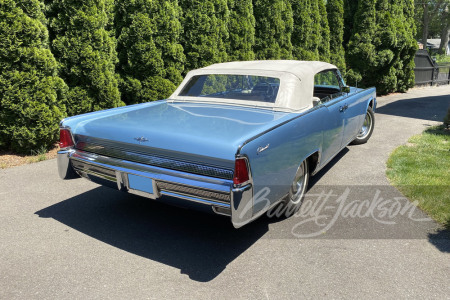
(140, 183)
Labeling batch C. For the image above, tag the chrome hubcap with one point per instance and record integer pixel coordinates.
(298, 187)
(367, 126)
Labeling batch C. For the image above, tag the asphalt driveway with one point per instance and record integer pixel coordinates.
(355, 236)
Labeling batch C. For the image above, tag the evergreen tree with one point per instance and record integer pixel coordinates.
(407, 30)
(383, 74)
(335, 12)
(84, 46)
(361, 51)
(205, 32)
(324, 40)
(381, 51)
(151, 58)
(303, 46)
(274, 26)
(316, 30)
(350, 8)
(167, 15)
(241, 28)
(32, 96)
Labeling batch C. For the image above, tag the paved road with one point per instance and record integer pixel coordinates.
(74, 239)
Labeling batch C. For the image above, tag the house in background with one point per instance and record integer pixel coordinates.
(433, 46)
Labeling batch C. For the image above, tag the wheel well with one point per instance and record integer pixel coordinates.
(371, 103)
(313, 161)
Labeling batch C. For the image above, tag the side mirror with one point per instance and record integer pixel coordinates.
(346, 89)
(316, 101)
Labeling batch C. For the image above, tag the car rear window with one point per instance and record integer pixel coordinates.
(240, 87)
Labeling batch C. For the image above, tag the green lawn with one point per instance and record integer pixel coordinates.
(421, 171)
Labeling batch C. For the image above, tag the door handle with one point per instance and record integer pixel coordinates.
(343, 108)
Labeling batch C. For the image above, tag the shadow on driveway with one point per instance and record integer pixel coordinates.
(441, 240)
(431, 108)
(200, 245)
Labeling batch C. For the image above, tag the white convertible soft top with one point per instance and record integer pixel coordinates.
(296, 81)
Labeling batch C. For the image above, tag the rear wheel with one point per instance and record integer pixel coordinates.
(367, 128)
(294, 200)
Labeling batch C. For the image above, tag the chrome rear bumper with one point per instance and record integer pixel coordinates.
(219, 194)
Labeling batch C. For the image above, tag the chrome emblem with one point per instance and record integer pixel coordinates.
(261, 149)
(141, 139)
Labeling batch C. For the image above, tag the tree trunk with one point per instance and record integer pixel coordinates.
(444, 39)
(425, 25)
(445, 31)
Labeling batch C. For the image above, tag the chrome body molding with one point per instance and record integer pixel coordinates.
(219, 194)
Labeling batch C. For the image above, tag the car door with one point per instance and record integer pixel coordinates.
(327, 87)
(333, 129)
(353, 112)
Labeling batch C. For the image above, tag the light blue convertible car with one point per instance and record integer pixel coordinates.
(237, 138)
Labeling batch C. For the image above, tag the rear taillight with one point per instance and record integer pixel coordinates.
(65, 138)
(240, 171)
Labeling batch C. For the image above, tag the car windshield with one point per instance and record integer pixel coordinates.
(240, 87)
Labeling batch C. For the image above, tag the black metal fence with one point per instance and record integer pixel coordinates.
(427, 72)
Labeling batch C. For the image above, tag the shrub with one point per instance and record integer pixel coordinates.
(32, 97)
(274, 26)
(149, 49)
(205, 32)
(304, 46)
(241, 28)
(335, 12)
(84, 46)
(382, 48)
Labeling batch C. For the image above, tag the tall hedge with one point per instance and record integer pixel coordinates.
(407, 30)
(205, 32)
(350, 8)
(151, 58)
(361, 53)
(241, 28)
(335, 13)
(84, 46)
(32, 96)
(274, 26)
(324, 36)
(304, 47)
(382, 48)
(315, 27)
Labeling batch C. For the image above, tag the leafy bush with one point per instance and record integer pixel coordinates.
(335, 13)
(274, 26)
(84, 46)
(241, 28)
(32, 97)
(205, 32)
(149, 49)
(381, 49)
(304, 40)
